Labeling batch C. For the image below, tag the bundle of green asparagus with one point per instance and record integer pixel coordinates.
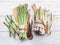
(12, 27)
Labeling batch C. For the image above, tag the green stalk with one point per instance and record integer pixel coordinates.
(22, 14)
(9, 29)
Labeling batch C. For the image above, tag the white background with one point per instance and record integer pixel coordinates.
(6, 7)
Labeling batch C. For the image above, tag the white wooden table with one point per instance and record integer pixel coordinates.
(6, 7)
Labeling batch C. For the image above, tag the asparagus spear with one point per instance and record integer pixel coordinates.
(10, 32)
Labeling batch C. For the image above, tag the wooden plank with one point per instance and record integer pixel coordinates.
(7, 7)
(8, 0)
(53, 39)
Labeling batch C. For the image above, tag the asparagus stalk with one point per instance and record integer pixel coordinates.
(10, 32)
